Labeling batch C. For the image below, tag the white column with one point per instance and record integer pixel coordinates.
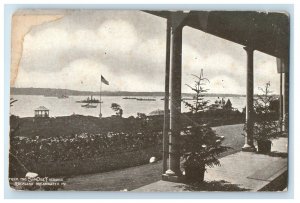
(249, 146)
(175, 113)
(166, 101)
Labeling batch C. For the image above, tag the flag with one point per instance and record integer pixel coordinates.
(104, 80)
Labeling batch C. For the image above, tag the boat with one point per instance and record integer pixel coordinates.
(62, 96)
(89, 105)
(145, 99)
(129, 98)
(90, 100)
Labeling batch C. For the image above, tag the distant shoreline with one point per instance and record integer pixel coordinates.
(58, 92)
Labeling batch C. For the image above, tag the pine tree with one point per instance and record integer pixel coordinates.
(199, 104)
(200, 144)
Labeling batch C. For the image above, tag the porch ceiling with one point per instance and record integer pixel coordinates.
(265, 32)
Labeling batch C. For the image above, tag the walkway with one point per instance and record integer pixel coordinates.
(242, 171)
(135, 177)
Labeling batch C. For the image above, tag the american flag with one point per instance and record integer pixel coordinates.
(104, 80)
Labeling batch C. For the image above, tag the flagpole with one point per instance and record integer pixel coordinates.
(100, 115)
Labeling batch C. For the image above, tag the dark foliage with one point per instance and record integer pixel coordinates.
(201, 147)
(265, 127)
(199, 143)
(117, 108)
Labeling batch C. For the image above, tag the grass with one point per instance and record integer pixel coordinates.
(118, 180)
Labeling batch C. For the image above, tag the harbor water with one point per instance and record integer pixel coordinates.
(26, 104)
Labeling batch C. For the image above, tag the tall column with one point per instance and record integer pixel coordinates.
(280, 102)
(286, 100)
(249, 146)
(166, 105)
(176, 72)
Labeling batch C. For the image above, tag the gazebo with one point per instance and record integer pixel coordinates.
(41, 112)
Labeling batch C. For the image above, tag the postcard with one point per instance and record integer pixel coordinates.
(149, 101)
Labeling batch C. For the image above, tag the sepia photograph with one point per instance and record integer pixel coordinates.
(149, 100)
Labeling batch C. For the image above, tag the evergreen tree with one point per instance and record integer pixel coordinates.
(199, 103)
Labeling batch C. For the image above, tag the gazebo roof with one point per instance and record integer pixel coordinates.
(268, 32)
(41, 108)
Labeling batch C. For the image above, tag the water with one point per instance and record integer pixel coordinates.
(26, 104)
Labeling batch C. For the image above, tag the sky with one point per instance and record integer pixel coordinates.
(128, 49)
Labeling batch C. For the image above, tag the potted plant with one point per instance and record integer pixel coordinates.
(200, 149)
(266, 126)
(200, 145)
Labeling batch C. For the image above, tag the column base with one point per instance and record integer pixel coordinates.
(248, 148)
(173, 178)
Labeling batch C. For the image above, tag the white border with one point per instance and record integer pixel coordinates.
(183, 3)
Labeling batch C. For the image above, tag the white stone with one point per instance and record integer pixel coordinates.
(152, 160)
(31, 175)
